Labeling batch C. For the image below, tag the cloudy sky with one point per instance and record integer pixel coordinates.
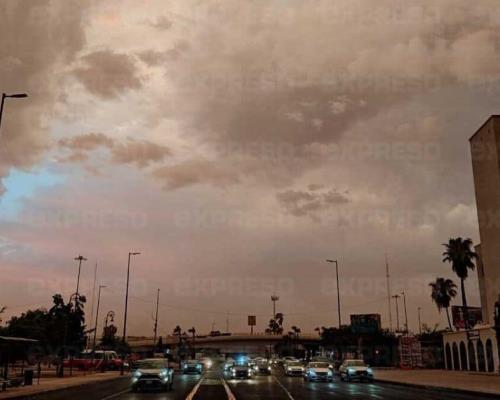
(237, 145)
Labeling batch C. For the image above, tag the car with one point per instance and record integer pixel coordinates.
(192, 367)
(294, 368)
(262, 367)
(152, 373)
(241, 371)
(207, 362)
(228, 364)
(318, 371)
(99, 359)
(355, 370)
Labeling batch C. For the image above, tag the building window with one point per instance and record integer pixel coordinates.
(472, 356)
(463, 357)
(456, 361)
(480, 356)
(449, 364)
(489, 356)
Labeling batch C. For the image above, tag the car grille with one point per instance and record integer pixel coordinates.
(149, 376)
(360, 373)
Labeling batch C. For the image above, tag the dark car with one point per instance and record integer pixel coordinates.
(241, 371)
(152, 373)
(192, 367)
(262, 367)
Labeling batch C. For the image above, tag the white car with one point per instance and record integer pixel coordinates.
(294, 368)
(318, 371)
(355, 370)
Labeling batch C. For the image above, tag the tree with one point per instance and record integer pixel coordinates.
(459, 253)
(2, 310)
(276, 325)
(443, 291)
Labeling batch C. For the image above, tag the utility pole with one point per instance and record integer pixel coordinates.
(396, 297)
(338, 290)
(156, 318)
(406, 313)
(274, 299)
(79, 259)
(126, 297)
(227, 322)
(97, 316)
(419, 321)
(388, 291)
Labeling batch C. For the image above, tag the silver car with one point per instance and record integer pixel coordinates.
(152, 373)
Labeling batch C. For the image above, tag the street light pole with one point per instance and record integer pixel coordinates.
(126, 296)
(396, 297)
(79, 259)
(406, 313)
(97, 315)
(338, 290)
(12, 96)
(419, 321)
(156, 318)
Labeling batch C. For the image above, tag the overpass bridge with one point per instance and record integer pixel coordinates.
(257, 343)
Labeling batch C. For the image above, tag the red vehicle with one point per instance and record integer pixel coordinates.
(100, 359)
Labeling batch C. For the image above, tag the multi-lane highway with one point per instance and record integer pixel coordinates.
(214, 386)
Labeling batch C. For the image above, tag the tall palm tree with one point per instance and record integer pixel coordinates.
(443, 290)
(459, 253)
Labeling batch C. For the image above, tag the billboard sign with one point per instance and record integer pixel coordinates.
(475, 316)
(365, 323)
(252, 320)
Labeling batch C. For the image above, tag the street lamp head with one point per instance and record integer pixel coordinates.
(331, 261)
(80, 258)
(17, 95)
(134, 253)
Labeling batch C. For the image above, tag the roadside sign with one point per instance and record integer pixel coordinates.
(252, 320)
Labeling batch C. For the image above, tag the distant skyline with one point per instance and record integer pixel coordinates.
(237, 146)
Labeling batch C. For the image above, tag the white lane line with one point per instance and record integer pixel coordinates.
(230, 395)
(284, 388)
(116, 394)
(190, 396)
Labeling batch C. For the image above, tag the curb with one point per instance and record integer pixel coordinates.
(47, 391)
(439, 388)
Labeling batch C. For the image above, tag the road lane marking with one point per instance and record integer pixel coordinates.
(191, 395)
(230, 395)
(284, 388)
(116, 394)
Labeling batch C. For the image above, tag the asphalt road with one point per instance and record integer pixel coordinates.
(275, 387)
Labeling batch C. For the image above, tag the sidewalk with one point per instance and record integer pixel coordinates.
(50, 384)
(449, 380)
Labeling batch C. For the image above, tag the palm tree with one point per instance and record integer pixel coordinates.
(443, 290)
(459, 253)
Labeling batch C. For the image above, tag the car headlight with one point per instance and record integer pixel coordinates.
(288, 369)
(163, 373)
(249, 372)
(302, 369)
(370, 371)
(351, 371)
(137, 374)
(330, 373)
(312, 373)
(330, 366)
(269, 368)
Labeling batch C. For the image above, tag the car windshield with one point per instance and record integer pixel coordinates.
(294, 364)
(356, 363)
(152, 364)
(318, 365)
(242, 365)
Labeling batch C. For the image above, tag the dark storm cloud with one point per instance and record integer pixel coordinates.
(310, 202)
(141, 153)
(37, 40)
(195, 172)
(107, 74)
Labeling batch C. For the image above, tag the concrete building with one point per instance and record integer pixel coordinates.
(476, 349)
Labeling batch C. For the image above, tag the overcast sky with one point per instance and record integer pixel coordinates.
(237, 145)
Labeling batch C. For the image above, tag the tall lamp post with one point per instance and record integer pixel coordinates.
(338, 290)
(11, 96)
(396, 298)
(97, 315)
(419, 309)
(79, 259)
(126, 296)
(406, 312)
